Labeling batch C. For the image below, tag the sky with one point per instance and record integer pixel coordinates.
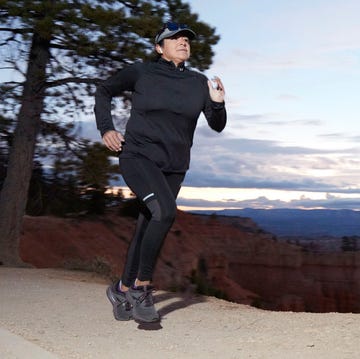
(291, 70)
(292, 79)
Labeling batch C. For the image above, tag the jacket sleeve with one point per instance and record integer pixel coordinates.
(215, 112)
(123, 80)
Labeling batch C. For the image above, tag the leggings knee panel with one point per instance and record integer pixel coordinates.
(161, 213)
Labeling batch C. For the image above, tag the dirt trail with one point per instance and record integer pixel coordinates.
(65, 314)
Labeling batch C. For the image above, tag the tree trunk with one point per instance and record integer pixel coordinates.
(13, 196)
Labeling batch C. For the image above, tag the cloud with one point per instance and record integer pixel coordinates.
(351, 138)
(287, 97)
(300, 122)
(290, 35)
(221, 161)
(239, 121)
(263, 202)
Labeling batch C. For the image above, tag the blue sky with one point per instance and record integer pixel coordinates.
(292, 78)
(291, 71)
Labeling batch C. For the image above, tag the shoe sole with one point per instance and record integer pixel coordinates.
(113, 300)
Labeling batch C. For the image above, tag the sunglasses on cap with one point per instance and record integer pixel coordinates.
(172, 28)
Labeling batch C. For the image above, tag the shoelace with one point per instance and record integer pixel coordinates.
(123, 302)
(147, 297)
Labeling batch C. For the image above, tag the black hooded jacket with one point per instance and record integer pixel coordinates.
(166, 104)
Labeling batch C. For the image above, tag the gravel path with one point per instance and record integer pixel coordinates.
(51, 313)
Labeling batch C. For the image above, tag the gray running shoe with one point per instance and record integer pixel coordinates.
(142, 302)
(121, 307)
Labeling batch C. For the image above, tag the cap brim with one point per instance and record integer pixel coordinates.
(167, 33)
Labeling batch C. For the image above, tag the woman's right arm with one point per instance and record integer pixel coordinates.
(123, 80)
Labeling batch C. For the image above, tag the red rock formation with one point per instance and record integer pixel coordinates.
(223, 256)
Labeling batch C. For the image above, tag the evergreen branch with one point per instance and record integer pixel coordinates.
(17, 31)
(129, 5)
(68, 80)
(12, 84)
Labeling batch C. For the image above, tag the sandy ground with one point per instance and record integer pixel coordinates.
(47, 313)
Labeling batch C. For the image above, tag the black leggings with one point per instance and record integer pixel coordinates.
(158, 191)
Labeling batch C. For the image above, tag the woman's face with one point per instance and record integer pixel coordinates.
(175, 49)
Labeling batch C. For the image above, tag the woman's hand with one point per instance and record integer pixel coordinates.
(217, 93)
(113, 140)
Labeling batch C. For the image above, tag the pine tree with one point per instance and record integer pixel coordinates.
(60, 49)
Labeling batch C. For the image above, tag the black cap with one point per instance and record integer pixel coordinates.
(172, 28)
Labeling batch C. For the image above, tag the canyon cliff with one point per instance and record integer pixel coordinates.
(229, 257)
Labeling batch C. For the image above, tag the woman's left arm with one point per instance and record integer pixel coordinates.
(217, 92)
(215, 111)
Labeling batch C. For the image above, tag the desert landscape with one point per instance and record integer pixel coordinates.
(228, 257)
(57, 307)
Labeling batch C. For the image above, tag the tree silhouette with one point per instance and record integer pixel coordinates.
(349, 243)
(76, 182)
